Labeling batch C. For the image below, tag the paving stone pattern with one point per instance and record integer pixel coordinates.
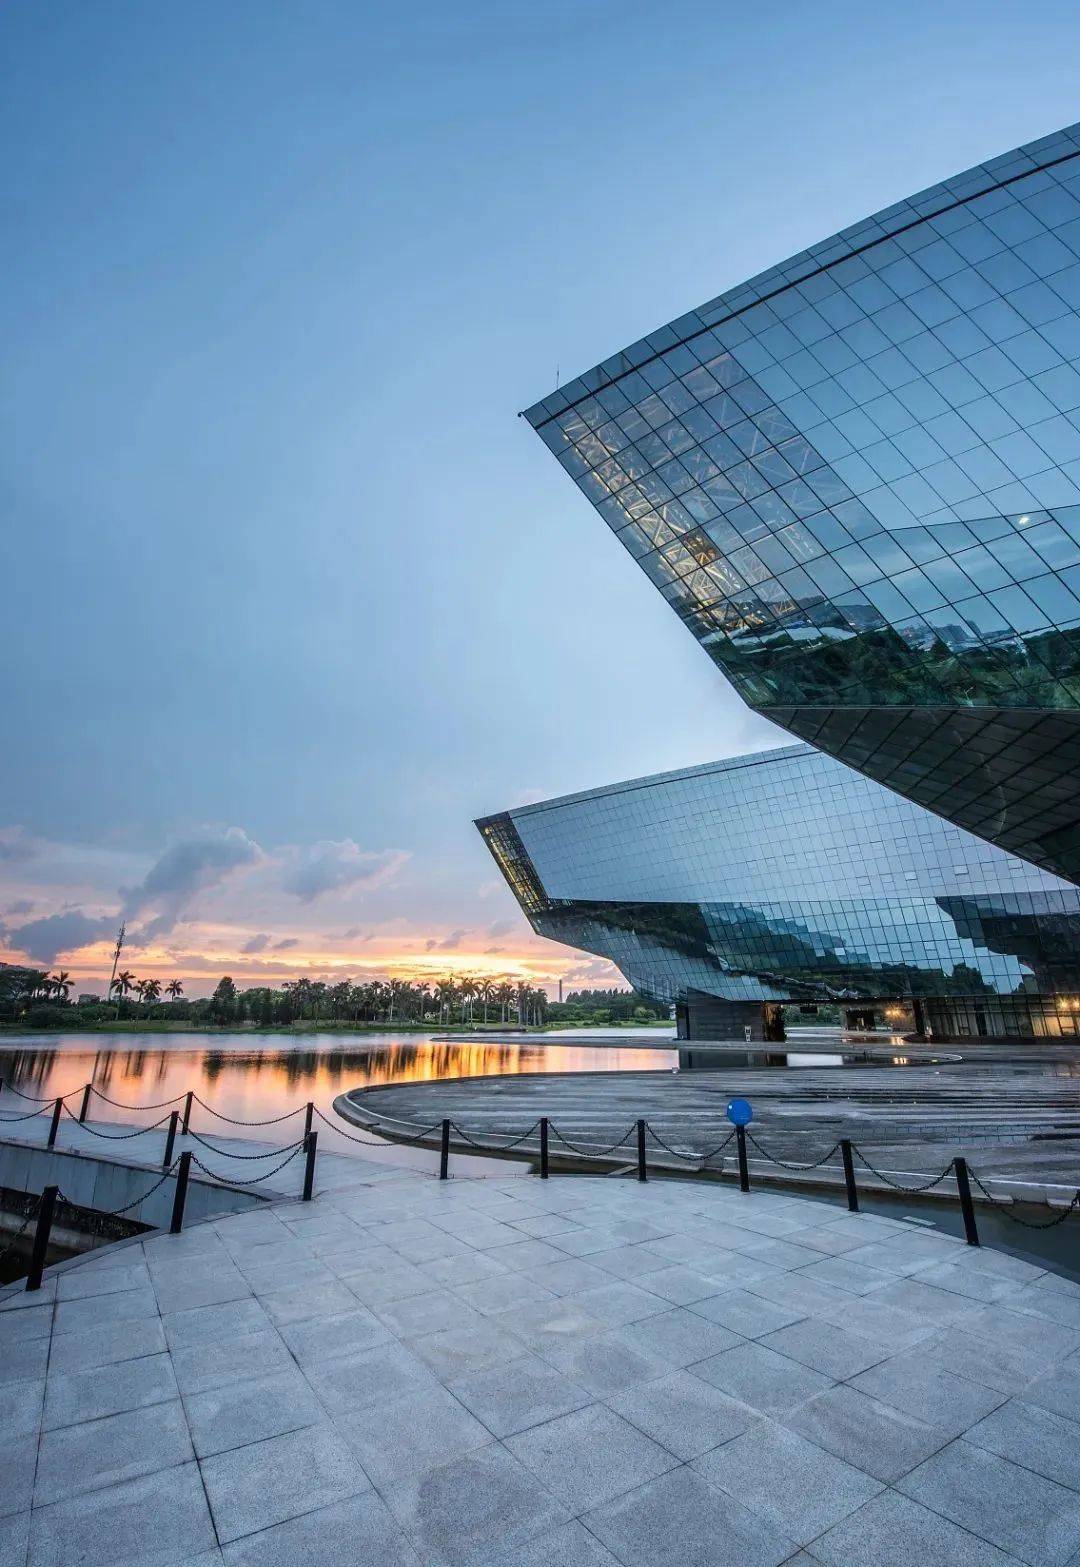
(507, 1372)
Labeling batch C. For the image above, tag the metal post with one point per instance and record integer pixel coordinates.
(849, 1175)
(543, 1147)
(46, 1205)
(444, 1150)
(170, 1138)
(84, 1108)
(967, 1207)
(642, 1172)
(57, 1108)
(744, 1173)
(180, 1196)
(309, 1164)
(309, 1111)
(186, 1126)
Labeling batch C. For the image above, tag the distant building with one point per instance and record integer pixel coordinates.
(86, 996)
(786, 876)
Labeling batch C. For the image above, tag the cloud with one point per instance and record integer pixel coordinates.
(283, 946)
(451, 942)
(330, 866)
(257, 943)
(16, 844)
(187, 868)
(24, 906)
(43, 940)
(500, 927)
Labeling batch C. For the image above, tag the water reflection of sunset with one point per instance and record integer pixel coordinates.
(257, 1081)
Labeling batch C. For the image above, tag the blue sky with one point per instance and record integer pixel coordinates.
(290, 594)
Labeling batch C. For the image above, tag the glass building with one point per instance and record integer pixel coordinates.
(856, 478)
(786, 876)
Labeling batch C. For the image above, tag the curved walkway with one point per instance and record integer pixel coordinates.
(581, 1372)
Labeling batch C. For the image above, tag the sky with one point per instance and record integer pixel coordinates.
(289, 593)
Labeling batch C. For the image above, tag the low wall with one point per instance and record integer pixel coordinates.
(96, 1181)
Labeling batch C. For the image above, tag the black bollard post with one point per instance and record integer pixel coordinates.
(170, 1139)
(309, 1111)
(54, 1126)
(543, 1147)
(180, 1196)
(967, 1207)
(642, 1172)
(744, 1172)
(84, 1108)
(310, 1143)
(46, 1207)
(186, 1126)
(849, 1175)
(444, 1151)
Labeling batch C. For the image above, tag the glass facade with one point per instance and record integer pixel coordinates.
(788, 876)
(856, 478)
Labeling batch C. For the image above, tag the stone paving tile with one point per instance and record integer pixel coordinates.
(332, 1537)
(589, 1457)
(1016, 1510)
(82, 1283)
(853, 1276)
(477, 1505)
(1057, 1390)
(134, 1305)
(827, 1348)
(430, 1313)
(250, 1411)
(567, 1545)
(940, 1399)
(884, 1441)
(251, 1488)
(681, 1521)
(105, 1345)
(679, 1286)
(894, 1531)
(373, 1376)
(506, 1293)
(454, 1272)
(380, 1286)
(1034, 1438)
(109, 1528)
(21, 1326)
(20, 1407)
(874, 1318)
(629, 1262)
(795, 1290)
(1016, 1329)
(1035, 1302)
(683, 1413)
(678, 1336)
(321, 1339)
(751, 1316)
(326, 1298)
(24, 1360)
(604, 1363)
(618, 1303)
(795, 1485)
(456, 1351)
(1007, 1368)
(17, 1472)
(14, 1539)
(767, 1382)
(74, 1396)
(556, 1321)
(214, 1324)
(517, 1394)
(105, 1452)
(412, 1435)
(200, 1367)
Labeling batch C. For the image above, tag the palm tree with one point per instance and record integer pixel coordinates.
(175, 989)
(467, 992)
(150, 990)
(60, 983)
(504, 994)
(485, 991)
(123, 984)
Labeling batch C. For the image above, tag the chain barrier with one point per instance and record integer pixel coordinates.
(21, 1231)
(898, 1185)
(273, 1120)
(688, 1158)
(119, 1104)
(513, 1143)
(1027, 1224)
(35, 1099)
(367, 1142)
(750, 1138)
(712, 1152)
(228, 1180)
(116, 1137)
(227, 1153)
(591, 1153)
(30, 1114)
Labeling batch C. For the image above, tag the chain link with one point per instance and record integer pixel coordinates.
(688, 1158)
(116, 1137)
(513, 1143)
(21, 1231)
(750, 1138)
(1027, 1224)
(115, 1213)
(897, 1185)
(273, 1120)
(227, 1153)
(591, 1153)
(228, 1180)
(35, 1099)
(119, 1104)
(29, 1116)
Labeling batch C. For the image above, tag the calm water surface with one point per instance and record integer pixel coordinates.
(256, 1076)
